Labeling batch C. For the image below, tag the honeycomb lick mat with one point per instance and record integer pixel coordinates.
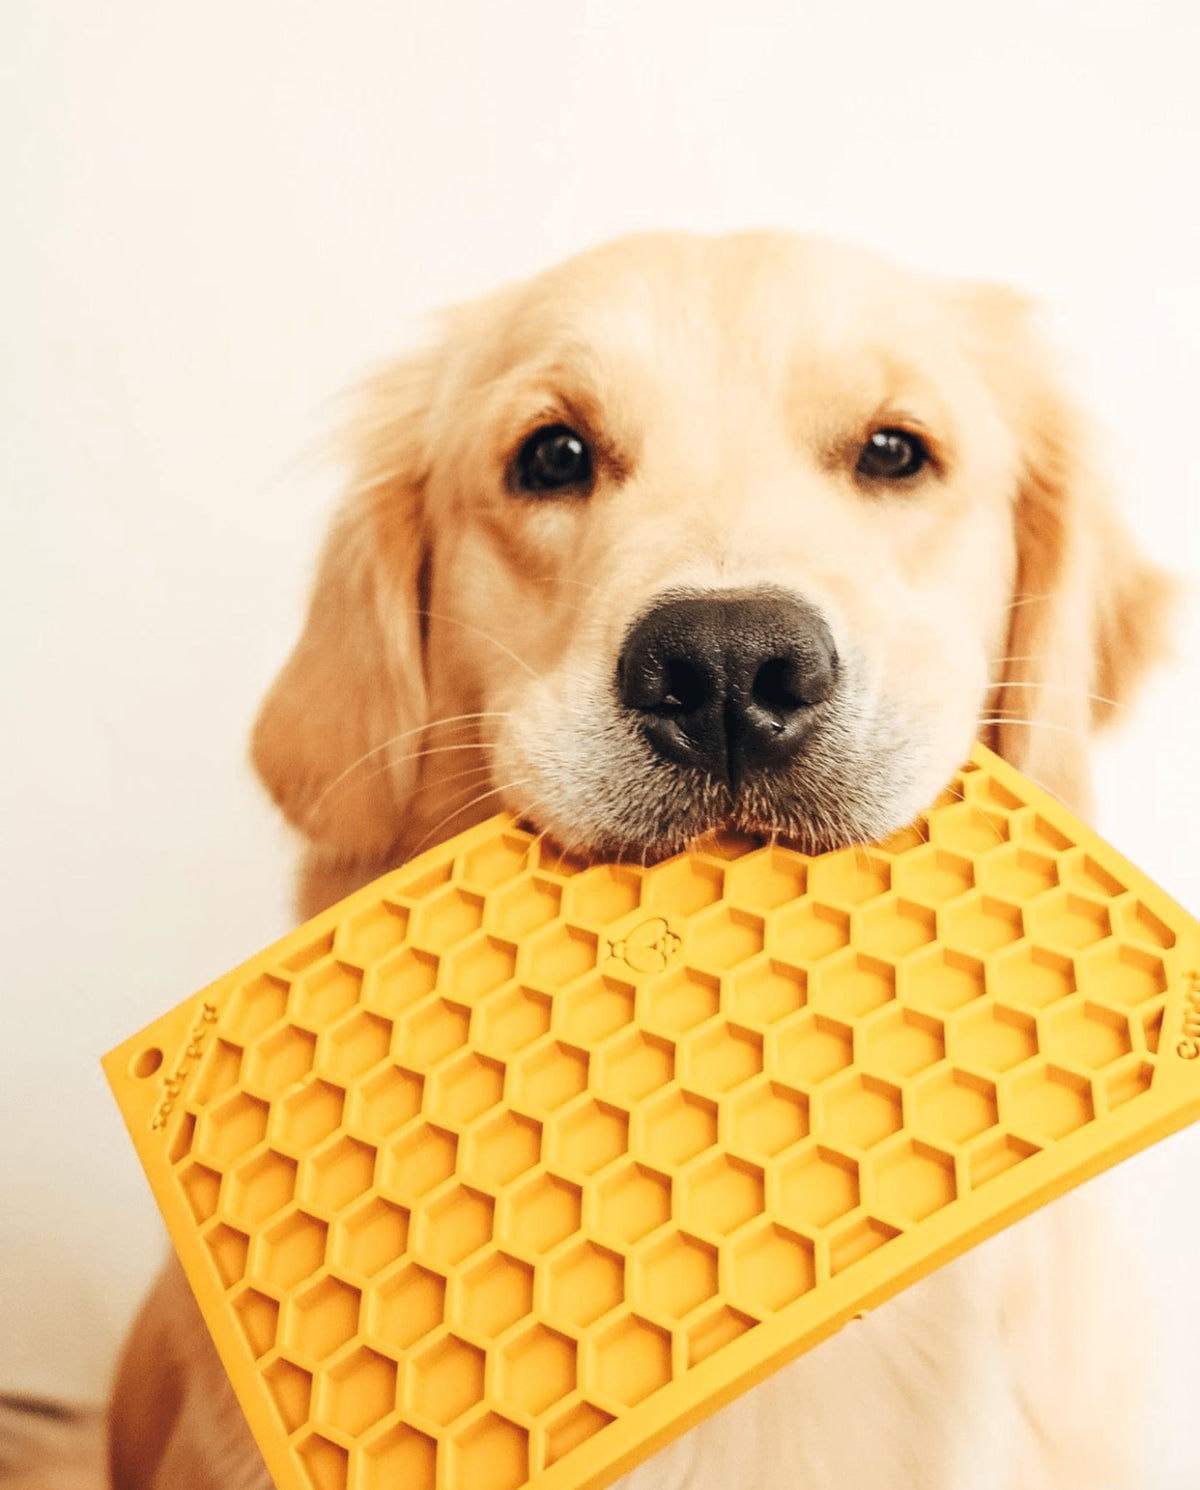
(510, 1167)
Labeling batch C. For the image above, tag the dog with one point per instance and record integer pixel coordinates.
(757, 532)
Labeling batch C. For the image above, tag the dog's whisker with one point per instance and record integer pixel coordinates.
(428, 750)
(480, 632)
(563, 579)
(382, 770)
(1067, 729)
(1067, 688)
(393, 740)
(343, 784)
(440, 781)
(978, 812)
(463, 807)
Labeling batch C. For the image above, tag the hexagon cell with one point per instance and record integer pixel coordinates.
(816, 1186)
(525, 904)
(478, 966)
(630, 1359)
(677, 1126)
(405, 1305)
(893, 927)
(953, 1106)
(766, 879)
(280, 1057)
(716, 1327)
(401, 1456)
(446, 918)
(930, 875)
(585, 1282)
(852, 984)
(859, 1111)
(491, 1451)
(417, 1161)
(499, 1148)
(540, 1212)
(558, 955)
(899, 1042)
(914, 1180)
(255, 1006)
(494, 1293)
(369, 1237)
(680, 1000)
(722, 1193)
(676, 1275)
(772, 1267)
(453, 1225)
(721, 938)
(765, 992)
(720, 1057)
(384, 1100)
(595, 1007)
(631, 1201)
(321, 1318)
(290, 1249)
(547, 1075)
(510, 1020)
(588, 1135)
(504, 1166)
(355, 1044)
(337, 1173)
(324, 991)
(849, 877)
(809, 1049)
(807, 931)
(633, 1066)
(359, 1390)
(258, 1188)
(368, 936)
(446, 1378)
(326, 1464)
(536, 1368)
(574, 1426)
(766, 1118)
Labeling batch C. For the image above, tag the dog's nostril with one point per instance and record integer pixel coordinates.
(775, 686)
(782, 685)
(686, 687)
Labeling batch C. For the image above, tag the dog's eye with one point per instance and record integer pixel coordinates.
(553, 459)
(892, 455)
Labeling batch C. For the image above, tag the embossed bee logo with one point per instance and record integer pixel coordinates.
(648, 948)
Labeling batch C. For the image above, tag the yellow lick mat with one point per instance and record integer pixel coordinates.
(510, 1167)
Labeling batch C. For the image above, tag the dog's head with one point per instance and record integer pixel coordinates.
(756, 531)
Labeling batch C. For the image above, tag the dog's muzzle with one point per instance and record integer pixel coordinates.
(731, 683)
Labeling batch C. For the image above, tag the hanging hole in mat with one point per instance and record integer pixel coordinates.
(146, 1062)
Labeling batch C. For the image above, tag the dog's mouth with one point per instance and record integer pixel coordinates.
(725, 712)
(851, 785)
(737, 703)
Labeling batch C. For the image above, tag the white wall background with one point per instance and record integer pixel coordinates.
(215, 217)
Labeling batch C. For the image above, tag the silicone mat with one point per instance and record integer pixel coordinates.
(510, 1167)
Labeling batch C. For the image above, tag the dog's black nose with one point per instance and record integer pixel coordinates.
(728, 682)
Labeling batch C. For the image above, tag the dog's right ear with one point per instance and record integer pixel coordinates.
(336, 737)
(1090, 613)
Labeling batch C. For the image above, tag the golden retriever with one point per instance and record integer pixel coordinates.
(757, 531)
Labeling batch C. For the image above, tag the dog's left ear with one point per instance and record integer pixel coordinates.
(1089, 613)
(335, 738)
